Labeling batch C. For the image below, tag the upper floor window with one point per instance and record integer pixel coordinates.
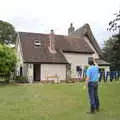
(37, 43)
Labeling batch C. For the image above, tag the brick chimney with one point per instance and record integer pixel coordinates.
(71, 29)
(52, 42)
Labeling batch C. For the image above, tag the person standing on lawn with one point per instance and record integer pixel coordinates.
(92, 83)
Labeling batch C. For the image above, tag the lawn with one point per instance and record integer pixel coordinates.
(57, 102)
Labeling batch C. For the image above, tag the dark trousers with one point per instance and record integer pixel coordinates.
(93, 95)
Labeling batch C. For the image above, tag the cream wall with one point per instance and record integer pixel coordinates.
(76, 59)
(26, 68)
(30, 72)
(95, 55)
(49, 70)
(19, 56)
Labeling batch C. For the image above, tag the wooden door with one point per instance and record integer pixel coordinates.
(36, 72)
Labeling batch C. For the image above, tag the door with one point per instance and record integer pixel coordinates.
(36, 72)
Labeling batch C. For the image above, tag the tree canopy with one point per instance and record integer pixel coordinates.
(111, 50)
(7, 59)
(114, 25)
(7, 33)
(108, 52)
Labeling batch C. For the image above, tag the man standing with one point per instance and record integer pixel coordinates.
(92, 84)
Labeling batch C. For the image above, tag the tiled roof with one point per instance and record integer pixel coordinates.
(101, 62)
(31, 53)
(85, 30)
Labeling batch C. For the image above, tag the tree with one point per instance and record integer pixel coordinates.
(108, 51)
(114, 26)
(7, 59)
(7, 33)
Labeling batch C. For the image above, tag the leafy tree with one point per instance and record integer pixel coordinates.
(7, 33)
(107, 50)
(114, 26)
(7, 59)
(116, 53)
(108, 53)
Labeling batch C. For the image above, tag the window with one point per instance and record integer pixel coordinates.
(37, 43)
(90, 58)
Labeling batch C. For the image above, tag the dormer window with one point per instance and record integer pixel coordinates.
(37, 43)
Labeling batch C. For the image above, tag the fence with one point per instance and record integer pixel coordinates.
(113, 75)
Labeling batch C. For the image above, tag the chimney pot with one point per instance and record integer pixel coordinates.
(52, 42)
(52, 31)
(71, 29)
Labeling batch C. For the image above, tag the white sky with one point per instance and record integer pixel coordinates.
(44, 15)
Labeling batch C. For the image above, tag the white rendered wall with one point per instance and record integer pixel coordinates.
(76, 59)
(49, 70)
(30, 72)
(95, 55)
(19, 57)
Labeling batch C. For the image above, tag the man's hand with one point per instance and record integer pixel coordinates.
(86, 81)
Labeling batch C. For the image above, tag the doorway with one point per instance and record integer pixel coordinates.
(37, 72)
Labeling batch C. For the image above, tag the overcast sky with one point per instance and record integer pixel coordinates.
(44, 15)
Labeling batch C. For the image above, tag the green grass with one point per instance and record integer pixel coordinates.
(57, 102)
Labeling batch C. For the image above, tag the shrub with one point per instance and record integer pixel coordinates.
(21, 79)
(72, 80)
(4, 78)
(8, 59)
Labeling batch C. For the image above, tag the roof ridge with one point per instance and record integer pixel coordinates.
(83, 26)
(41, 33)
(76, 37)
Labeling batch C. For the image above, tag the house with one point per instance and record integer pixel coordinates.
(55, 57)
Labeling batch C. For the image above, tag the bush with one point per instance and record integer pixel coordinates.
(72, 80)
(21, 79)
(8, 59)
(4, 78)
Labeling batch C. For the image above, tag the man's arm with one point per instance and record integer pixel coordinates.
(86, 81)
(87, 78)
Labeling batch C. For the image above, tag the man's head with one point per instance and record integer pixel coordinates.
(91, 62)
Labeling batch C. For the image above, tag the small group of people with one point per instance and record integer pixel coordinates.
(81, 72)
